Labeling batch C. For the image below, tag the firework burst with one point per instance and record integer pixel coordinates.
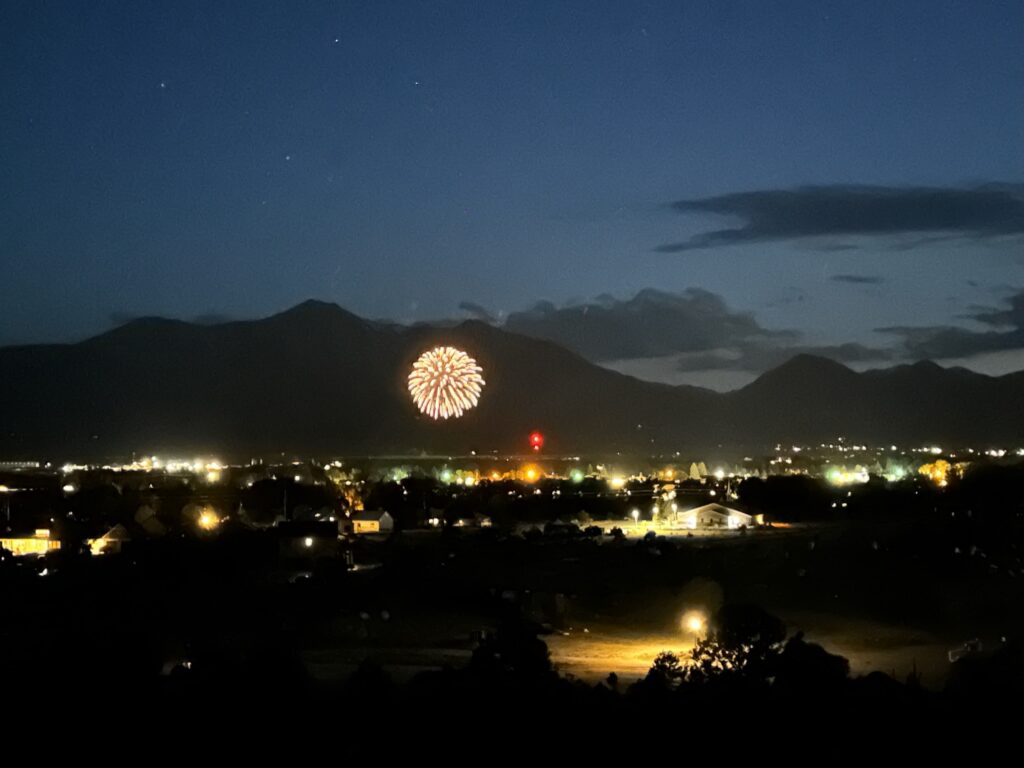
(445, 382)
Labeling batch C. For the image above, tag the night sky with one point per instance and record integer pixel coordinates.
(785, 175)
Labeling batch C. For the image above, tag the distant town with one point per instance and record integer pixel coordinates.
(46, 505)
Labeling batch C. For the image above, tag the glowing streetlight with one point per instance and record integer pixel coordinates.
(695, 623)
(208, 520)
(636, 516)
(308, 541)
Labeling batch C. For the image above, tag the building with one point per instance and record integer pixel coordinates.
(372, 521)
(38, 543)
(713, 516)
(110, 542)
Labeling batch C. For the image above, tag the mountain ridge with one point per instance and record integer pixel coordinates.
(318, 378)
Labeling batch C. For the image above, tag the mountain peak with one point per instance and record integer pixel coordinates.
(313, 306)
(321, 312)
(806, 363)
(802, 371)
(140, 327)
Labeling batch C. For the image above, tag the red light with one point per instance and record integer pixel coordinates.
(536, 440)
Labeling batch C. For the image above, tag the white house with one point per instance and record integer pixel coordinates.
(713, 516)
(372, 521)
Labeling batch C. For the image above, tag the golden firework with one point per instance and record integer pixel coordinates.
(445, 382)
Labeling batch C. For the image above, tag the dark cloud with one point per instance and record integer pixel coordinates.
(477, 312)
(858, 279)
(842, 211)
(790, 295)
(651, 324)
(1004, 331)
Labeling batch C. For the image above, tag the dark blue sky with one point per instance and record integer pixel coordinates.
(400, 158)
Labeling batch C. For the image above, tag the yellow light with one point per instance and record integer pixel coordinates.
(308, 541)
(208, 520)
(937, 472)
(213, 476)
(694, 622)
(618, 481)
(531, 474)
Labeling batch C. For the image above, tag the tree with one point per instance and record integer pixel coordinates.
(513, 650)
(744, 642)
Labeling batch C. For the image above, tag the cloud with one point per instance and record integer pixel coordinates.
(858, 279)
(825, 212)
(477, 312)
(1004, 330)
(651, 324)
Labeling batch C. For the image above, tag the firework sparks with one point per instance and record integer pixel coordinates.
(445, 382)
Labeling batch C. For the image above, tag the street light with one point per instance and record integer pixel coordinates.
(695, 623)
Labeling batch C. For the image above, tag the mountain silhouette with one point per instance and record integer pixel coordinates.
(317, 379)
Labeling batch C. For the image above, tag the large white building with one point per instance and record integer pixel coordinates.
(713, 516)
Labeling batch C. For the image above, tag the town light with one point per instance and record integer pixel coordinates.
(308, 541)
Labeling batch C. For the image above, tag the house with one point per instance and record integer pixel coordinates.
(38, 543)
(713, 516)
(372, 521)
(110, 542)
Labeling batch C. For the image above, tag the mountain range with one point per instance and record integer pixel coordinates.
(318, 380)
